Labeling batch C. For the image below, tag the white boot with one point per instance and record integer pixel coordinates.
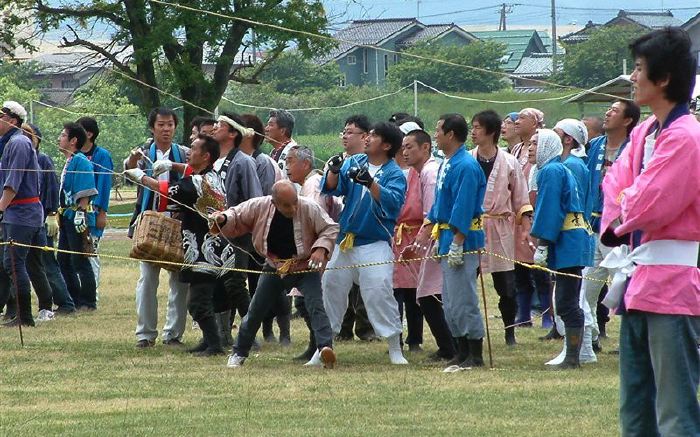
(395, 354)
(315, 360)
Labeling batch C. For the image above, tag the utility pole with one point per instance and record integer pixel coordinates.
(417, 9)
(505, 9)
(554, 37)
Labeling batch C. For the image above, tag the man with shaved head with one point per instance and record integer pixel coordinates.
(293, 234)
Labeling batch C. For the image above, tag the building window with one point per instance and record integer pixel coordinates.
(365, 67)
(352, 60)
(343, 82)
(386, 65)
(70, 83)
(396, 58)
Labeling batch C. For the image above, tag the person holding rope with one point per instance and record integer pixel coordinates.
(506, 205)
(563, 235)
(205, 254)
(652, 207)
(454, 222)
(296, 237)
(374, 188)
(162, 122)
(21, 213)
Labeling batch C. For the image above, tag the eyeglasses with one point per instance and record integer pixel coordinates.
(350, 132)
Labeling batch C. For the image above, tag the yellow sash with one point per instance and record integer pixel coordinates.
(400, 229)
(575, 220)
(435, 233)
(348, 242)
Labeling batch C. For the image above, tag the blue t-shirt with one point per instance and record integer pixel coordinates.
(17, 155)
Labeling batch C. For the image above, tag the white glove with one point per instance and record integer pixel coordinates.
(455, 257)
(51, 226)
(540, 257)
(135, 174)
(162, 166)
(80, 221)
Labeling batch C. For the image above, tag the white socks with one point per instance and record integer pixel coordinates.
(315, 359)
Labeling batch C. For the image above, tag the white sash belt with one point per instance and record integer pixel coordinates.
(622, 262)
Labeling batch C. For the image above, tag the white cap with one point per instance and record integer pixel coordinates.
(574, 128)
(409, 126)
(15, 108)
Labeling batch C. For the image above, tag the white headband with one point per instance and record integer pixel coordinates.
(245, 131)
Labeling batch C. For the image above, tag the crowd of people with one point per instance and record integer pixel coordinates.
(585, 200)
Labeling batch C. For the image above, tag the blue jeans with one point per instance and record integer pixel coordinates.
(61, 297)
(15, 264)
(76, 269)
(659, 371)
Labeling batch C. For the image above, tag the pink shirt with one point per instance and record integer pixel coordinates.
(664, 203)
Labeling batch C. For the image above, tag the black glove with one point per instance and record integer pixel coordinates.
(361, 176)
(335, 163)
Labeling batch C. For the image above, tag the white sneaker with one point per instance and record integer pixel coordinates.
(315, 360)
(235, 361)
(45, 316)
(396, 357)
(454, 368)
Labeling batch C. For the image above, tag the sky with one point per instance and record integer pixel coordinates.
(460, 12)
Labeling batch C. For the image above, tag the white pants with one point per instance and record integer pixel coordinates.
(95, 264)
(591, 289)
(147, 305)
(375, 286)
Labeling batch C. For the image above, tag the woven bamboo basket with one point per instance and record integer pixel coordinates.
(158, 238)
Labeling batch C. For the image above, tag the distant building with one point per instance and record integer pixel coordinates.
(645, 21)
(362, 65)
(519, 44)
(692, 26)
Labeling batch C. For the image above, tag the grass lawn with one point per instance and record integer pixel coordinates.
(82, 376)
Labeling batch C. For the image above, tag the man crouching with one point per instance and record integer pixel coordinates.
(293, 234)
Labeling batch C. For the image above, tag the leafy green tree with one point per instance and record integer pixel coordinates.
(599, 59)
(16, 82)
(179, 41)
(479, 54)
(292, 73)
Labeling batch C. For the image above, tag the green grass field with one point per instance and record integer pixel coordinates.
(82, 376)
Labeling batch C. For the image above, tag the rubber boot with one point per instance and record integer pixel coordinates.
(476, 354)
(508, 314)
(310, 349)
(210, 331)
(524, 307)
(224, 321)
(510, 336)
(283, 321)
(574, 340)
(462, 351)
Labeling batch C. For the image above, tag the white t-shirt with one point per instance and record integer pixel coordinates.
(649, 143)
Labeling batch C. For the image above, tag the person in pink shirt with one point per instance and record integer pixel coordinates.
(652, 207)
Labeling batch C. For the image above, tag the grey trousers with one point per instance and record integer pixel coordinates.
(460, 299)
(147, 305)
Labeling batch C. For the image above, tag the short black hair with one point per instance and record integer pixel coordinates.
(237, 118)
(360, 121)
(421, 136)
(400, 118)
(457, 124)
(90, 125)
(668, 55)
(163, 112)
(284, 119)
(197, 121)
(631, 111)
(490, 121)
(390, 134)
(253, 121)
(206, 121)
(210, 146)
(74, 130)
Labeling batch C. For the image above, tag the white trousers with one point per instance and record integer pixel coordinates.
(591, 289)
(147, 305)
(375, 286)
(95, 264)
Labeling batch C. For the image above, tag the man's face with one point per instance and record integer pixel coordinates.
(207, 129)
(198, 159)
(414, 153)
(375, 145)
(354, 139)
(286, 204)
(7, 122)
(64, 143)
(532, 151)
(479, 135)
(223, 133)
(615, 117)
(194, 133)
(441, 139)
(274, 132)
(525, 125)
(297, 169)
(163, 129)
(565, 139)
(508, 129)
(645, 91)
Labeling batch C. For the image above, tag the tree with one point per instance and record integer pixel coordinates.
(445, 77)
(293, 73)
(16, 83)
(178, 41)
(599, 59)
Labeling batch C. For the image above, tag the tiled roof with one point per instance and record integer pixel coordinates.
(652, 20)
(430, 31)
(516, 42)
(367, 32)
(535, 65)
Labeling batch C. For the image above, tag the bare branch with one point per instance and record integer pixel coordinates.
(253, 78)
(81, 13)
(77, 41)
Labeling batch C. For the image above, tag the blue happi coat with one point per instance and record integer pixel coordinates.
(596, 161)
(557, 196)
(78, 182)
(459, 195)
(368, 219)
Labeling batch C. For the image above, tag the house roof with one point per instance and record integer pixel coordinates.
(621, 87)
(516, 41)
(69, 62)
(581, 34)
(435, 31)
(536, 65)
(692, 22)
(649, 20)
(368, 32)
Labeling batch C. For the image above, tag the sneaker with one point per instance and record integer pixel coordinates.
(45, 316)
(143, 344)
(235, 361)
(328, 357)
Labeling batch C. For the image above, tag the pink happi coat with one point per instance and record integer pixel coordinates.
(523, 251)
(505, 201)
(664, 203)
(407, 226)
